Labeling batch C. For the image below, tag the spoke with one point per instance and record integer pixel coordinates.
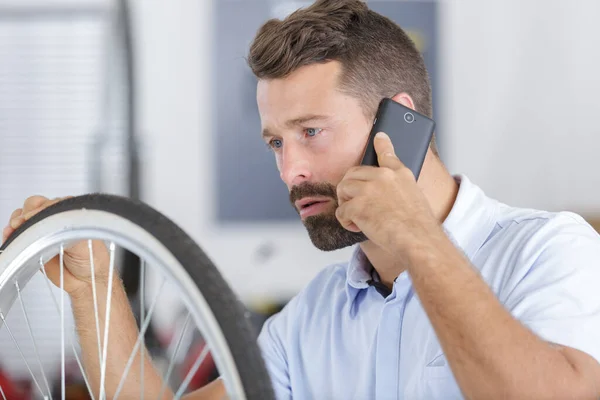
(173, 357)
(43, 269)
(107, 318)
(35, 347)
(62, 321)
(192, 372)
(87, 383)
(95, 298)
(21, 353)
(139, 340)
(142, 294)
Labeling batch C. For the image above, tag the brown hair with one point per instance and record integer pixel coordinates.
(378, 58)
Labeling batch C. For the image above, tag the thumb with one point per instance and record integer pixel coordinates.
(386, 156)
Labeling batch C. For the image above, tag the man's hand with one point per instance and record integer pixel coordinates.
(385, 202)
(76, 258)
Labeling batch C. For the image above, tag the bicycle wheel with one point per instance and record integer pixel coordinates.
(221, 320)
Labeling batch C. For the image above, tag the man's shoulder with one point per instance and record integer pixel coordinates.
(529, 227)
(535, 247)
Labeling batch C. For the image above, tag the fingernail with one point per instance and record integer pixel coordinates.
(382, 135)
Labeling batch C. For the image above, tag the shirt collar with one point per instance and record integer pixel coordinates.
(359, 270)
(472, 218)
(357, 275)
(468, 225)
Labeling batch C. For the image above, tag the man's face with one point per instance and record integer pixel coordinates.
(316, 133)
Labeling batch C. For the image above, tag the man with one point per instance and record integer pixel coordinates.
(449, 293)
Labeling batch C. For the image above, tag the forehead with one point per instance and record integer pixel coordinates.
(311, 89)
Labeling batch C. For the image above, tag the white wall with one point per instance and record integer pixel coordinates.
(521, 86)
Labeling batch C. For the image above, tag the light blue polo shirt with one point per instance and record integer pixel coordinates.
(339, 338)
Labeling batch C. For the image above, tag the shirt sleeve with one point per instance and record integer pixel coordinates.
(271, 341)
(558, 297)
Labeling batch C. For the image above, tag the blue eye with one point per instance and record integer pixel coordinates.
(312, 131)
(276, 143)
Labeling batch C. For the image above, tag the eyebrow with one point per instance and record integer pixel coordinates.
(298, 121)
(306, 118)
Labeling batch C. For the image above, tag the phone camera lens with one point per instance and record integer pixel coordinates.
(409, 117)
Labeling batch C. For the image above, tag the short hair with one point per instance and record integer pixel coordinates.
(378, 58)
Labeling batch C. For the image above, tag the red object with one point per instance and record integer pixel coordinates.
(206, 370)
(14, 390)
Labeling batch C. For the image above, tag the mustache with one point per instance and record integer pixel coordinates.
(308, 189)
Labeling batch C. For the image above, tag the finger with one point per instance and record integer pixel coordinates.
(347, 189)
(16, 222)
(386, 156)
(362, 173)
(343, 214)
(353, 228)
(47, 204)
(6, 232)
(33, 202)
(16, 213)
(19, 220)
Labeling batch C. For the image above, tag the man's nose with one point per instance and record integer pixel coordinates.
(295, 167)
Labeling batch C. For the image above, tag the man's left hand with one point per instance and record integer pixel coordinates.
(385, 202)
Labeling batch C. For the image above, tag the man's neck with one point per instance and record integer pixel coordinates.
(441, 190)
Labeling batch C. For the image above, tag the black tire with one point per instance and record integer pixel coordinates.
(231, 315)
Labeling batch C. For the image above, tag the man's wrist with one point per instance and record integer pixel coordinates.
(82, 292)
(429, 246)
(86, 289)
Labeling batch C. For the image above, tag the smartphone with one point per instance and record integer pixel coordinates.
(409, 131)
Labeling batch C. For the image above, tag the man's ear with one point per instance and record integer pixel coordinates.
(404, 99)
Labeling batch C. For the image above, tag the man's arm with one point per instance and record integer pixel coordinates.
(122, 336)
(491, 354)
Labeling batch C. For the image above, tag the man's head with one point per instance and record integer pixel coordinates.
(322, 72)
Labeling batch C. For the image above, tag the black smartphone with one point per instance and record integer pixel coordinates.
(409, 131)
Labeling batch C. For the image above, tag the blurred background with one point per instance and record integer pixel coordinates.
(152, 99)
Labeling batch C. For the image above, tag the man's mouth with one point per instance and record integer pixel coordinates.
(311, 206)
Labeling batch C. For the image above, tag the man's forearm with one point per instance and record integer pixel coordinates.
(491, 353)
(122, 336)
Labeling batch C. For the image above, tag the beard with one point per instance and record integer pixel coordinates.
(325, 231)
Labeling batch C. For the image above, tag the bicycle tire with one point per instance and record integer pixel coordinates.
(230, 314)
